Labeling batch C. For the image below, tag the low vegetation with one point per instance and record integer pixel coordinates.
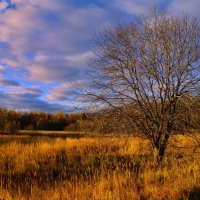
(97, 168)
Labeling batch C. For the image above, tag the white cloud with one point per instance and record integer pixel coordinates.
(189, 6)
(65, 92)
(81, 57)
(2, 68)
(3, 5)
(144, 7)
(58, 34)
(135, 7)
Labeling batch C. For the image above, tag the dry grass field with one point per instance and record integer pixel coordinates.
(97, 168)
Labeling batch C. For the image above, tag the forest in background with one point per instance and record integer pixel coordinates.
(11, 121)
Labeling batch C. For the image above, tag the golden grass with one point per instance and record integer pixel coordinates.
(102, 168)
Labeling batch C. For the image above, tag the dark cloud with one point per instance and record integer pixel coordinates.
(34, 90)
(7, 82)
(30, 101)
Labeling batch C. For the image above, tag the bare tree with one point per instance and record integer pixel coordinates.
(148, 72)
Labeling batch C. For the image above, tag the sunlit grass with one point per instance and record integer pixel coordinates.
(96, 168)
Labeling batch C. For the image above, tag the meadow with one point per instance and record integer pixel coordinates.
(96, 168)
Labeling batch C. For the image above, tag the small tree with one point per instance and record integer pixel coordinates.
(148, 72)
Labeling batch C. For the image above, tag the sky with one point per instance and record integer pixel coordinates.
(45, 46)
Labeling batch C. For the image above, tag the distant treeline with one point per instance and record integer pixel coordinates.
(102, 122)
(11, 121)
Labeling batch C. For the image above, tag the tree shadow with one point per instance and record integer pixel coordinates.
(28, 138)
(56, 135)
(50, 135)
(194, 194)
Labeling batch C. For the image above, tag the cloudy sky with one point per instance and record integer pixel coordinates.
(45, 45)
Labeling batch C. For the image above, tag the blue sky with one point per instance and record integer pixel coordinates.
(45, 45)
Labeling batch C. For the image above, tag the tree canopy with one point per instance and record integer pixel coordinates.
(150, 73)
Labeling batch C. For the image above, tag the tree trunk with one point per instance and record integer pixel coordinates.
(160, 146)
(159, 152)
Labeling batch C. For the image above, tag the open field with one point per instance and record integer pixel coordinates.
(96, 168)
